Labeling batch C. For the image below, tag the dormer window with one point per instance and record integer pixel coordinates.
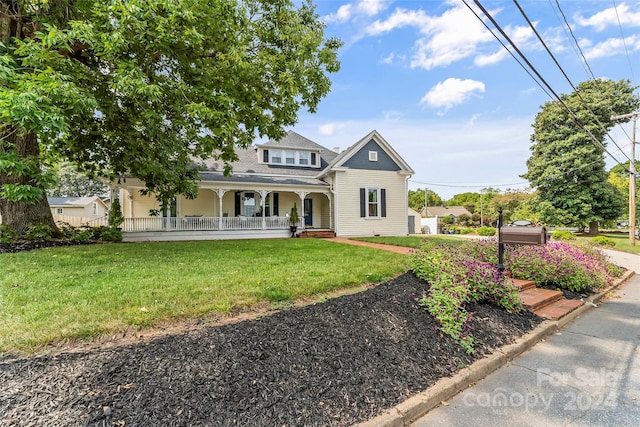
(276, 157)
(290, 157)
(303, 158)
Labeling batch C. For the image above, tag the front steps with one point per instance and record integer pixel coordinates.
(545, 303)
(318, 234)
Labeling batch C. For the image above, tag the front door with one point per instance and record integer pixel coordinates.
(308, 213)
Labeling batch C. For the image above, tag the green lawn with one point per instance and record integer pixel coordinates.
(622, 242)
(409, 241)
(84, 291)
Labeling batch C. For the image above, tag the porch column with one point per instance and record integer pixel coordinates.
(263, 197)
(302, 195)
(220, 193)
(330, 210)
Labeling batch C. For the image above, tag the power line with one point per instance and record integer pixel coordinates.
(624, 42)
(584, 103)
(575, 118)
(575, 41)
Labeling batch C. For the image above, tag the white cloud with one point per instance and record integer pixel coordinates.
(332, 128)
(609, 17)
(612, 47)
(451, 92)
(399, 19)
(349, 11)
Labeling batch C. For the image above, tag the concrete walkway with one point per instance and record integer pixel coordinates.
(586, 374)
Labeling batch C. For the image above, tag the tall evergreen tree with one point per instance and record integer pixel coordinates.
(567, 167)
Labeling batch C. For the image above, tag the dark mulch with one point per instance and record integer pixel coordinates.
(338, 362)
(29, 245)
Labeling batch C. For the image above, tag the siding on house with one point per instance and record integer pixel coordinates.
(360, 160)
(350, 223)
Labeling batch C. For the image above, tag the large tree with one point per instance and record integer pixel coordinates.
(71, 183)
(417, 199)
(148, 87)
(567, 166)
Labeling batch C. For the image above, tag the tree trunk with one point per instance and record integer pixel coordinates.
(20, 215)
(593, 228)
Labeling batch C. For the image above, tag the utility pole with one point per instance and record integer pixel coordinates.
(632, 177)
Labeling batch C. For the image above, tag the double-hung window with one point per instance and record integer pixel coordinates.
(290, 157)
(276, 156)
(303, 158)
(373, 202)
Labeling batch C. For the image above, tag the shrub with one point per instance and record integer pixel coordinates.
(455, 279)
(7, 234)
(486, 231)
(563, 235)
(39, 232)
(81, 237)
(111, 235)
(115, 218)
(563, 265)
(603, 241)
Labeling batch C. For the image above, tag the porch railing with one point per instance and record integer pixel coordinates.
(207, 223)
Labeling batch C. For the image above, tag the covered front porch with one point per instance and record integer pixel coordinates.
(229, 212)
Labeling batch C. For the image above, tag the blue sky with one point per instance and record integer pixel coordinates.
(441, 89)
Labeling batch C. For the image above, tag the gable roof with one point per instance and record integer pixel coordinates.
(340, 161)
(75, 202)
(446, 211)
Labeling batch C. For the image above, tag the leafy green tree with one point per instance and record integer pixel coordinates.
(144, 87)
(511, 203)
(619, 177)
(566, 166)
(416, 199)
(71, 183)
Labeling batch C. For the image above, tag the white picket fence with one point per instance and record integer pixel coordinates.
(78, 221)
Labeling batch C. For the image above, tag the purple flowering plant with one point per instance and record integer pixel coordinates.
(464, 273)
(456, 278)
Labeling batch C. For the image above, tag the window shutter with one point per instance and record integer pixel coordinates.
(237, 205)
(313, 159)
(363, 203)
(383, 202)
(265, 156)
(274, 204)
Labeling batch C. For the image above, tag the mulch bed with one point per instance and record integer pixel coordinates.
(333, 363)
(29, 245)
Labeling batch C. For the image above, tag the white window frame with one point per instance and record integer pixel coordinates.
(373, 156)
(377, 203)
(275, 154)
(304, 156)
(59, 211)
(290, 155)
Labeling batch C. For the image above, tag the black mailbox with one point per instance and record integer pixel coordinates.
(513, 235)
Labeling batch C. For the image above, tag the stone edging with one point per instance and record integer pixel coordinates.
(413, 408)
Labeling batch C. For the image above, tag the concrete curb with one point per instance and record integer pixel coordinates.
(413, 408)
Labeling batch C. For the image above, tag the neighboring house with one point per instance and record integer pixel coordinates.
(442, 211)
(360, 191)
(78, 210)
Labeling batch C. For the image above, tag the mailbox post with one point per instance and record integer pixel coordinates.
(500, 244)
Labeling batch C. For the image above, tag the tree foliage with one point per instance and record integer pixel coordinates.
(567, 166)
(148, 87)
(417, 199)
(71, 183)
